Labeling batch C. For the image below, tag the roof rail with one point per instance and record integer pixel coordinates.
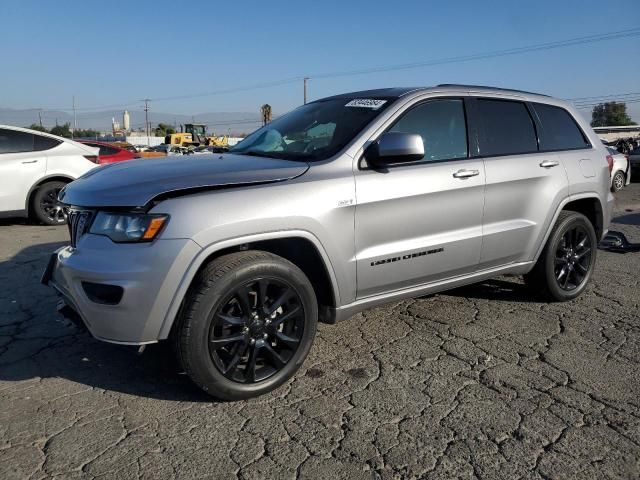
(489, 88)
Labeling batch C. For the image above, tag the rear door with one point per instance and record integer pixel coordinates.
(523, 185)
(421, 222)
(20, 168)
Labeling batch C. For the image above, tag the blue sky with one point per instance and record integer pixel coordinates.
(114, 53)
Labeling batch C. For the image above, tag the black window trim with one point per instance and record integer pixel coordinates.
(478, 126)
(362, 163)
(588, 145)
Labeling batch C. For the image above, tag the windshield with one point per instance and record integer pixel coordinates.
(314, 131)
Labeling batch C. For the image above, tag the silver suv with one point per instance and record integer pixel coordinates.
(343, 204)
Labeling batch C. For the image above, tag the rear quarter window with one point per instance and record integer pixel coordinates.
(104, 150)
(41, 143)
(559, 130)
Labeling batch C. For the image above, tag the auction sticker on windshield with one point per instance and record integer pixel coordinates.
(366, 103)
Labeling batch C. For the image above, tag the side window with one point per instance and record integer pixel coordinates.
(559, 129)
(12, 141)
(506, 128)
(441, 124)
(41, 143)
(104, 150)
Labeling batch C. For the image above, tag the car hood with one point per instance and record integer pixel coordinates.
(135, 183)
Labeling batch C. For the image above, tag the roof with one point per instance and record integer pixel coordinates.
(394, 92)
(397, 92)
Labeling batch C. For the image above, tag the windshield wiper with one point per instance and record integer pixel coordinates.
(279, 155)
(258, 153)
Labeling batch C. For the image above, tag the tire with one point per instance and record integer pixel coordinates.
(618, 181)
(45, 207)
(563, 251)
(219, 338)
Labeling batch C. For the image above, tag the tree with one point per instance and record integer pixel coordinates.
(61, 130)
(610, 114)
(35, 126)
(89, 133)
(163, 130)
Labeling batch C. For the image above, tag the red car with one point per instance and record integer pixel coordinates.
(110, 153)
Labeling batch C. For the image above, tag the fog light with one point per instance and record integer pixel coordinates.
(102, 293)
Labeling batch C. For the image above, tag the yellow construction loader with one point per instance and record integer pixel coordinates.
(194, 135)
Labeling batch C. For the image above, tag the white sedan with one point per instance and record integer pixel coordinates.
(34, 167)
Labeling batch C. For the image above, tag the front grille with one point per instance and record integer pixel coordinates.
(78, 222)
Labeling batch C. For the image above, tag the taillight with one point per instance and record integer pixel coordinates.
(610, 162)
(92, 158)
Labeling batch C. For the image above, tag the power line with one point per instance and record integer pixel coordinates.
(591, 105)
(598, 97)
(633, 32)
(498, 53)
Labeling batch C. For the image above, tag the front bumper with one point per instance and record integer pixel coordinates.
(148, 273)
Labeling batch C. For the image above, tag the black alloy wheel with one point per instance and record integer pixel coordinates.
(45, 205)
(567, 260)
(573, 258)
(256, 330)
(247, 324)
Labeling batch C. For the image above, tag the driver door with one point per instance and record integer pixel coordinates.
(421, 222)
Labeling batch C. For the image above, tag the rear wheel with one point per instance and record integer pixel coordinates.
(247, 325)
(618, 181)
(45, 206)
(566, 263)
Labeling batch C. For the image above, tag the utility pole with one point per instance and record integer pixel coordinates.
(305, 89)
(40, 117)
(146, 119)
(75, 122)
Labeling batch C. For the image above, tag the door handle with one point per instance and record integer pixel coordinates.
(549, 164)
(30, 161)
(466, 173)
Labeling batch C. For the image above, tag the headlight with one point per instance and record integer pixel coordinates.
(128, 227)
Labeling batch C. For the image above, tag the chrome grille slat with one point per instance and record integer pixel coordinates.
(78, 222)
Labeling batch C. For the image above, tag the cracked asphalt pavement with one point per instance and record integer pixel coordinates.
(486, 381)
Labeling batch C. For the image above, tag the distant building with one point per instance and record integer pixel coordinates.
(610, 134)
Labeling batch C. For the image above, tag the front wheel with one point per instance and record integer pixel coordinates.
(45, 206)
(567, 260)
(247, 325)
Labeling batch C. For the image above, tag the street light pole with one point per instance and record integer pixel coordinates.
(146, 120)
(305, 89)
(75, 122)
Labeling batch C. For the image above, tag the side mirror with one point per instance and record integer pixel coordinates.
(395, 147)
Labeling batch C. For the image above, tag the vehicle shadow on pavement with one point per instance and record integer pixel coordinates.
(627, 219)
(13, 221)
(36, 343)
(497, 289)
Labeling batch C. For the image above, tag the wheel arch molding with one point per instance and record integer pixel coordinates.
(300, 247)
(588, 203)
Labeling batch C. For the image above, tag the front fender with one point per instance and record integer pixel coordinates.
(209, 250)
